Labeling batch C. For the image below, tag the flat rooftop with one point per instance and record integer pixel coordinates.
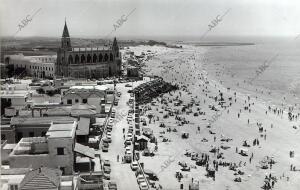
(66, 130)
(90, 87)
(25, 146)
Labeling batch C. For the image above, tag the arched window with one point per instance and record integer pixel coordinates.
(105, 57)
(89, 58)
(76, 59)
(94, 58)
(111, 57)
(70, 59)
(82, 59)
(100, 58)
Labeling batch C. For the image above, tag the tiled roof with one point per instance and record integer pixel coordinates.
(66, 130)
(59, 111)
(84, 93)
(42, 178)
(79, 106)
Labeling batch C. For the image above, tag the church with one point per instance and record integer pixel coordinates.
(87, 62)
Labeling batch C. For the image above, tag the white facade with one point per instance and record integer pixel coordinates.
(36, 66)
(53, 151)
(92, 95)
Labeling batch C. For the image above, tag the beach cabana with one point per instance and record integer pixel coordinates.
(141, 141)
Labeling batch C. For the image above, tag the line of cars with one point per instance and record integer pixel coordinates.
(150, 176)
(106, 163)
(139, 177)
(107, 170)
(108, 138)
(105, 145)
(129, 138)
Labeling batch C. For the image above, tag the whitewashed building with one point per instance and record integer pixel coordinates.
(35, 66)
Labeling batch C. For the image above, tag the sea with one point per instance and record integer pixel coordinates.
(268, 67)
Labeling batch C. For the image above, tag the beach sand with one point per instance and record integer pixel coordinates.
(185, 67)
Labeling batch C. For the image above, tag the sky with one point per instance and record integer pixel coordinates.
(96, 18)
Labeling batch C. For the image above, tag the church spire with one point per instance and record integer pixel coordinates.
(115, 43)
(66, 31)
(65, 39)
(115, 47)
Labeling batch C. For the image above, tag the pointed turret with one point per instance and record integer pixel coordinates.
(66, 31)
(115, 47)
(65, 39)
(115, 43)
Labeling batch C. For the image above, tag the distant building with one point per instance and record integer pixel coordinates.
(93, 95)
(35, 66)
(14, 97)
(87, 62)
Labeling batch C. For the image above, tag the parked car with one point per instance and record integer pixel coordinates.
(128, 142)
(108, 136)
(140, 178)
(105, 146)
(107, 176)
(116, 103)
(128, 152)
(129, 136)
(134, 165)
(109, 128)
(106, 169)
(105, 140)
(128, 85)
(106, 166)
(151, 174)
(127, 148)
(112, 185)
(106, 163)
(130, 130)
(143, 186)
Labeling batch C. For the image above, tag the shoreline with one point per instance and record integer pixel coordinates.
(184, 67)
